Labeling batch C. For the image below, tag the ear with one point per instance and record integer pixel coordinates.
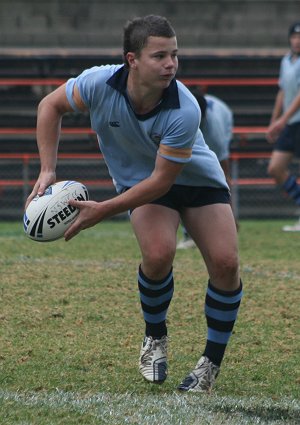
(130, 56)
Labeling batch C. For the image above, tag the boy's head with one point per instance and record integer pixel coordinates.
(137, 31)
(294, 38)
(294, 29)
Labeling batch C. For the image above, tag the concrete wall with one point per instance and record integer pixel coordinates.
(96, 23)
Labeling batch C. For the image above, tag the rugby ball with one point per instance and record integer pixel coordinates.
(47, 217)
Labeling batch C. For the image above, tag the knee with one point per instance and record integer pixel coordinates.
(225, 266)
(157, 262)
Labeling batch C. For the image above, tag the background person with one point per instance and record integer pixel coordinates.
(148, 130)
(216, 126)
(284, 128)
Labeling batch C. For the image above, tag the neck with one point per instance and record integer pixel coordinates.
(142, 98)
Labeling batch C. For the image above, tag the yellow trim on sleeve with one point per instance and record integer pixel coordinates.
(176, 153)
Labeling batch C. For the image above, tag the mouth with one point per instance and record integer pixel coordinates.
(168, 76)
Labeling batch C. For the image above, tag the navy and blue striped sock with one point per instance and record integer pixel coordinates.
(221, 309)
(292, 188)
(155, 299)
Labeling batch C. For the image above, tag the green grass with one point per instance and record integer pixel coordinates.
(71, 329)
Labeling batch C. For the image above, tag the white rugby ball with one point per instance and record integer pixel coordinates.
(47, 217)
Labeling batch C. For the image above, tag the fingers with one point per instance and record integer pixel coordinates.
(29, 199)
(37, 190)
(272, 134)
(76, 203)
(269, 138)
(88, 216)
(76, 227)
(274, 130)
(33, 194)
(73, 230)
(272, 137)
(41, 189)
(44, 181)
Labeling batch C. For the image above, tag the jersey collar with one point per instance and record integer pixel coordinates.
(170, 99)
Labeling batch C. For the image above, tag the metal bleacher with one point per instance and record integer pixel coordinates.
(247, 83)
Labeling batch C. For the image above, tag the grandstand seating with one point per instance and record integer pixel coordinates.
(94, 23)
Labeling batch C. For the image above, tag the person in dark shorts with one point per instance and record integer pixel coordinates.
(284, 128)
(147, 124)
(216, 126)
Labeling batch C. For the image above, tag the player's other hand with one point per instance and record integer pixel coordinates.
(89, 215)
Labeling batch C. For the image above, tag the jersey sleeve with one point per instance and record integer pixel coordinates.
(69, 92)
(180, 135)
(89, 83)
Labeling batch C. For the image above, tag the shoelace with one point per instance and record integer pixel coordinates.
(148, 354)
(204, 372)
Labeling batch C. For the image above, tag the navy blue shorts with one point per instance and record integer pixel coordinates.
(289, 139)
(180, 197)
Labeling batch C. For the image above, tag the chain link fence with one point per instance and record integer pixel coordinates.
(254, 194)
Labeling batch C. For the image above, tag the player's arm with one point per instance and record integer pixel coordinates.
(277, 110)
(49, 116)
(275, 124)
(156, 185)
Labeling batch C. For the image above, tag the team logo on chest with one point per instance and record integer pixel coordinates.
(114, 123)
(156, 138)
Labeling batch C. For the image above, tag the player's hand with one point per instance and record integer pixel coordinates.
(89, 215)
(44, 180)
(274, 130)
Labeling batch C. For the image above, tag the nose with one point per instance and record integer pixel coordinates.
(171, 62)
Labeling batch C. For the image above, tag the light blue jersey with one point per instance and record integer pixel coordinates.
(289, 82)
(217, 126)
(130, 142)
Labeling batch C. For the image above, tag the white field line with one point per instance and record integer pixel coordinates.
(171, 409)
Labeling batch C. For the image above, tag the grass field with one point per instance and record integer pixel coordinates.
(71, 329)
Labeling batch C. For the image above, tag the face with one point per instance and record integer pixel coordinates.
(157, 63)
(295, 43)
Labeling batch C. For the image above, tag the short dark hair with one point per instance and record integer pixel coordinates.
(137, 31)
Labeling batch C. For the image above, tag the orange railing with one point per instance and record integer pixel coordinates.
(242, 130)
(26, 158)
(206, 82)
(32, 130)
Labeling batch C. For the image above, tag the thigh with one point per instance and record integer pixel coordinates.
(280, 160)
(214, 231)
(155, 227)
